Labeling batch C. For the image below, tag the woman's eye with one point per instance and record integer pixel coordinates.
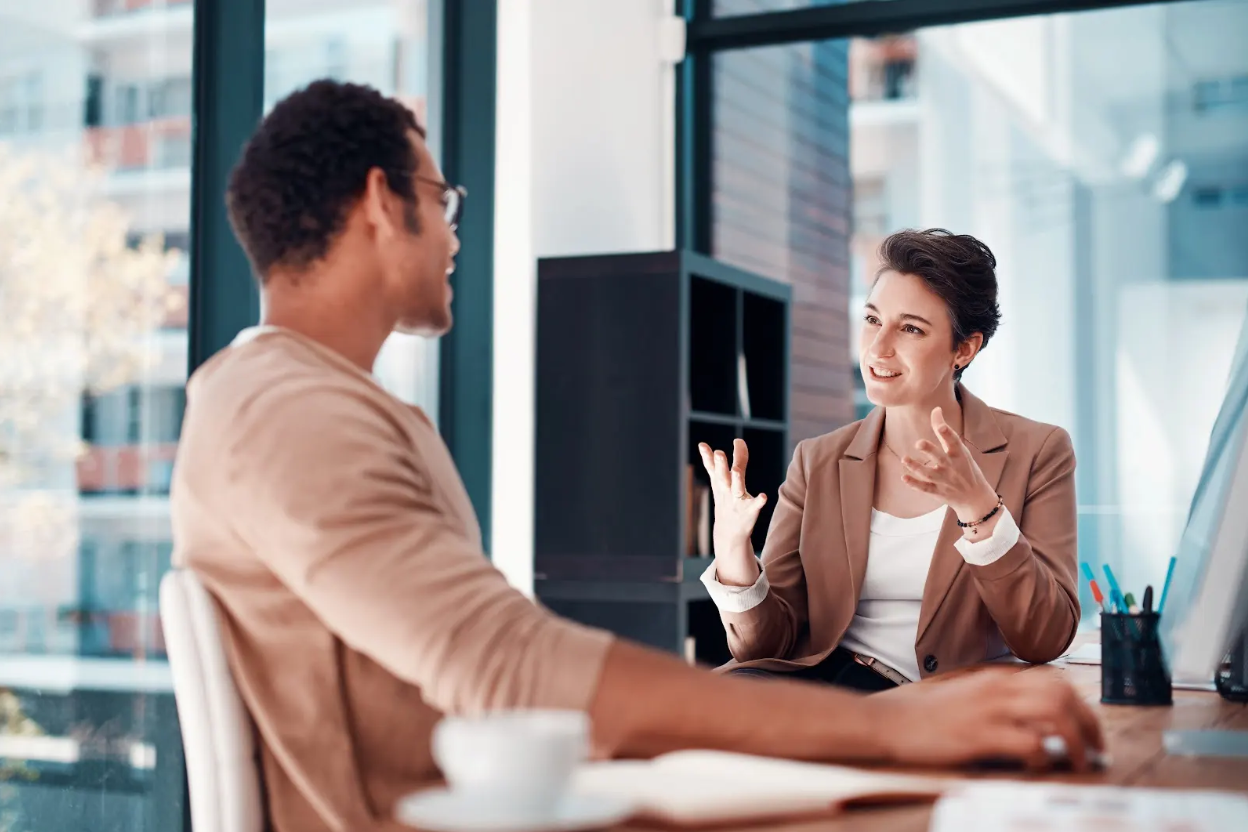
(871, 319)
(913, 330)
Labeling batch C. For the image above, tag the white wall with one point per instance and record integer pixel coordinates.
(584, 164)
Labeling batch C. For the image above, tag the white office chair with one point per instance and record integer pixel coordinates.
(217, 733)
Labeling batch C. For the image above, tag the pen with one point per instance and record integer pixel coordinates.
(1097, 596)
(1148, 599)
(1114, 592)
(1161, 604)
(1096, 590)
(1120, 603)
(1087, 571)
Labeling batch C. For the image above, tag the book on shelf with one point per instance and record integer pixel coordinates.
(743, 386)
(697, 516)
(691, 513)
(704, 520)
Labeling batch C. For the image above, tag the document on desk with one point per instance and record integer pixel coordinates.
(1044, 807)
(692, 789)
(1084, 654)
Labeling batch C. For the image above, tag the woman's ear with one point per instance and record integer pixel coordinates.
(967, 350)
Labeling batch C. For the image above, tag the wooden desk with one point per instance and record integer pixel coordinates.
(1133, 738)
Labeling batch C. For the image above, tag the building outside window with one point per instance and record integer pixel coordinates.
(95, 113)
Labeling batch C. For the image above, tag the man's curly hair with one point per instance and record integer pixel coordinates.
(307, 164)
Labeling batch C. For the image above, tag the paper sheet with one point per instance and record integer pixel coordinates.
(1085, 654)
(1041, 807)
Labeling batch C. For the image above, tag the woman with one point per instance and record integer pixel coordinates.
(935, 533)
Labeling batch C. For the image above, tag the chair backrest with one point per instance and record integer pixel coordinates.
(217, 733)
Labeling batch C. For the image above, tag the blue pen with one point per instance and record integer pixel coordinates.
(1087, 571)
(1166, 586)
(1115, 592)
(1120, 603)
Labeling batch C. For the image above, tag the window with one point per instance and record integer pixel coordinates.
(1107, 197)
(126, 109)
(10, 111)
(90, 409)
(336, 58)
(170, 97)
(782, 204)
(21, 101)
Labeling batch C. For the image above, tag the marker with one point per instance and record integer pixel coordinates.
(1148, 599)
(1161, 605)
(1120, 603)
(1129, 600)
(1087, 571)
(1115, 593)
(1097, 596)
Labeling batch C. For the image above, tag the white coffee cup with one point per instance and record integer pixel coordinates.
(513, 765)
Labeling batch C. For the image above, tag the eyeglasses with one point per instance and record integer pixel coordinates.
(453, 197)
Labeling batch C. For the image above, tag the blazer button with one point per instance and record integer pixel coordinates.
(930, 664)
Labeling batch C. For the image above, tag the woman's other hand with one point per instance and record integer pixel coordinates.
(736, 512)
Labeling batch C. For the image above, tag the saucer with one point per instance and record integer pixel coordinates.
(442, 810)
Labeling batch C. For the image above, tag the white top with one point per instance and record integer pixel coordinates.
(899, 555)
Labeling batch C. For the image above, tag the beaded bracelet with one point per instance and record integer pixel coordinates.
(975, 524)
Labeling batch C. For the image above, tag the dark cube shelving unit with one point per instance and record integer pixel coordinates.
(637, 362)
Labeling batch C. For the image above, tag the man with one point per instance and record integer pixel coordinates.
(329, 523)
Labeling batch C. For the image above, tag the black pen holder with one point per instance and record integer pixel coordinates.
(1133, 669)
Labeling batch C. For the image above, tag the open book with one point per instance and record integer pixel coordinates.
(706, 788)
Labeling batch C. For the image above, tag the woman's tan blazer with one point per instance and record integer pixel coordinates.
(815, 557)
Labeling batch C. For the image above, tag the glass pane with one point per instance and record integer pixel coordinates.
(382, 43)
(94, 165)
(781, 202)
(1114, 201)
(731, 8)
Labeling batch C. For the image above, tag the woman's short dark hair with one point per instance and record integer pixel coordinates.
(308, 163)
(958, 268)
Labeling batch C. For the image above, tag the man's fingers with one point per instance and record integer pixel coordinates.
(1055, 711)
(1016, 742)
(1061, 738)
(1058, 700)
(1085, 718)
(1036, 758)
(738, 484)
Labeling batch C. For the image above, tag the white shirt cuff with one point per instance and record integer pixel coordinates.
(988, 550)
(736, 598)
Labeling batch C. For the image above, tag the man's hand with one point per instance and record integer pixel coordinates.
(985, 715)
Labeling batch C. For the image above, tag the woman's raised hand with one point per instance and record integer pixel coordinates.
(736, 511)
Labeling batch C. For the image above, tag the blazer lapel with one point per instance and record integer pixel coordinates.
(857, 474)
(987, 445)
